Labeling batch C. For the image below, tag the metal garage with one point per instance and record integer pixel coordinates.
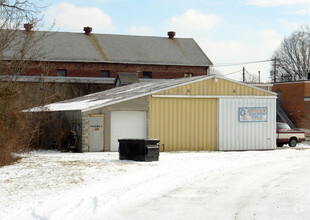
(189, 114)
(204, 115)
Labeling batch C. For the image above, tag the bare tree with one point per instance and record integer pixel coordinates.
(13, 15)
(292, 58)
(19, 49)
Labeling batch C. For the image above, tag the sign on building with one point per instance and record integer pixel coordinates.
(253, 114)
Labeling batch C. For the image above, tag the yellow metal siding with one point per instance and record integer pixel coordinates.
(184, 124)
(210, 87)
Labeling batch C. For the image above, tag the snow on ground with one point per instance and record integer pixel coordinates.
(185, 185)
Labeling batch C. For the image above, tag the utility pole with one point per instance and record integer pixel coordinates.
(243, 74)
(259, 76)
(275, 70)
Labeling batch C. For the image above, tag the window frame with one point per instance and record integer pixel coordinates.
(102, 72)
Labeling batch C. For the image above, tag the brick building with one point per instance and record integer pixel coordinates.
(86, 54)
(295, 101)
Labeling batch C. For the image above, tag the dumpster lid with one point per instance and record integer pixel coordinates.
(135, 139)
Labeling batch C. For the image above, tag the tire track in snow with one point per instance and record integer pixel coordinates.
(261, 191)
(133, 185)
(208, 186)
(71, 206)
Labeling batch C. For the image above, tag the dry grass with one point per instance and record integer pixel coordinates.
(7, 158)
(18, 130)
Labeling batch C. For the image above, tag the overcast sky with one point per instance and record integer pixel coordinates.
(228, 31)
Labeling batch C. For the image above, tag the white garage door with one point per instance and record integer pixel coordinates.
(127, 124)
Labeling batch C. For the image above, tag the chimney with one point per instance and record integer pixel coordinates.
(171, 34)
(88, 30)
(28, 27)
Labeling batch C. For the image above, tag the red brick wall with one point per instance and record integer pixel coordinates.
(93, 69)
(292, 101)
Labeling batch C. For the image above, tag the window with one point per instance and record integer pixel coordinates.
(61, 72)
(147, 74)
(104, 73)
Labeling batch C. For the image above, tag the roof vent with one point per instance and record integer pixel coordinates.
(28, 27)
(88, 30)
(171, 34)
(123, 79)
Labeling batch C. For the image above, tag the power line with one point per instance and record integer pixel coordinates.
(242, 63)
(248, 77)
(252, 77)
(239, 71)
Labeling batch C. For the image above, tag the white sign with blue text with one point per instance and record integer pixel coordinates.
(253, 114)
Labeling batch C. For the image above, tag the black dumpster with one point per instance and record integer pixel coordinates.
(138, 149)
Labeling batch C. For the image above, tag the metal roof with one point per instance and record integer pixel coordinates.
(125, 93)
(110, 48)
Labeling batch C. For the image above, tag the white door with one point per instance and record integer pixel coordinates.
(96, 134)
(127, 124)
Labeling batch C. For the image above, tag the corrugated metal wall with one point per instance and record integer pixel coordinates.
(235, 135)
(183, 124)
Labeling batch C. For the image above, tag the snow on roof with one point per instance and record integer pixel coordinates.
(120, 94)
(71, 106)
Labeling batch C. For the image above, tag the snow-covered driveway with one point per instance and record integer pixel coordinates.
(200, 185)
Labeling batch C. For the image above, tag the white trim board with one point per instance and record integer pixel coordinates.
(213, 96)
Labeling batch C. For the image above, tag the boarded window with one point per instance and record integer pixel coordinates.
(147, 74)
(61, 72)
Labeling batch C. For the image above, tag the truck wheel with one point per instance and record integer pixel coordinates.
(292, 142)
(280, 145)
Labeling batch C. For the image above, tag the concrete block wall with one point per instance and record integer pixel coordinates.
(84, 142)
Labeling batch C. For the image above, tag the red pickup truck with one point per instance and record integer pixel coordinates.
(286, 135)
